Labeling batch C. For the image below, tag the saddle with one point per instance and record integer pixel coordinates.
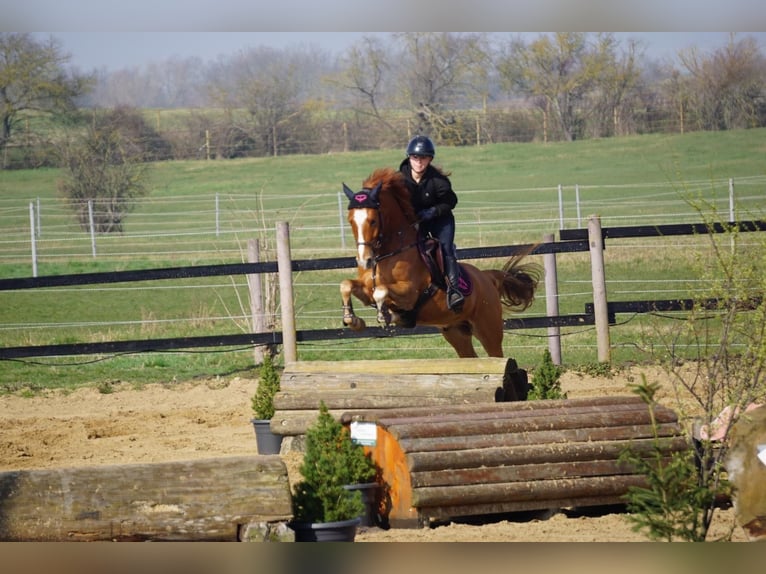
(431, 253)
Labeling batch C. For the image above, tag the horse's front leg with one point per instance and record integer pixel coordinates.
(379, 294)
(349, 287)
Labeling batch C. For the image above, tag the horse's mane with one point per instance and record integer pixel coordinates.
(393, 184)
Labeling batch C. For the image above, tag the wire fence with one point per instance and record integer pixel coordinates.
(194, 228)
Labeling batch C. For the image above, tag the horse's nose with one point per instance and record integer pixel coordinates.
(365, 263)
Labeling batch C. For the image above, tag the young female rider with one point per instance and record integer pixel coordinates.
(433, 199)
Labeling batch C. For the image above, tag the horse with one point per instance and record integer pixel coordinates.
(394, 276)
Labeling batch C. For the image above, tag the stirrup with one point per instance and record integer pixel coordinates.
(455, 300)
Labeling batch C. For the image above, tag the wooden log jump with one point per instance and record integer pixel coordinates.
(471, 460)
(389, 384)
(212, 499)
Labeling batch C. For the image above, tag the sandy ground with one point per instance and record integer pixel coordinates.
(212, 418)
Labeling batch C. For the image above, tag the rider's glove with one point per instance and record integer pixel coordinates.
(427, 214)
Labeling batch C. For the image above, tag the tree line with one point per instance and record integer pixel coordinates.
(459, 88)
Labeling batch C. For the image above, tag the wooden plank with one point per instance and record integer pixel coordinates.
(390, 382)
(482, 365)
(391, 416)
(359, 399)
(536, 453)
(522, 491)
(521, 424)
(487, 412)
(194, 500)
(583, 434)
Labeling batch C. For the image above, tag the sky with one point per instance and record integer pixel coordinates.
(117, 34)
(118, 50)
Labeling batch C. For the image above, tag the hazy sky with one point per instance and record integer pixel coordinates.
(116, 33)
(117, 50)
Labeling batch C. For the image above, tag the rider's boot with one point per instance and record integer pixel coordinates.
(455, 298)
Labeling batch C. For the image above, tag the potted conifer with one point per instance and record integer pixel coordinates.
(323, 508)
(262, 403)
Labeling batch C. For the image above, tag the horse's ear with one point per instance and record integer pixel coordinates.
(375, 191)
(348, 192)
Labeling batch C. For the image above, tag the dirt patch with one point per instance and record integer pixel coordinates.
(212, 418)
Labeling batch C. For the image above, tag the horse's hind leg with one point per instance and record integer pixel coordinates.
(459, 336)
(490, 335)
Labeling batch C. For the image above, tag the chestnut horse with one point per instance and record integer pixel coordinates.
(393, 276)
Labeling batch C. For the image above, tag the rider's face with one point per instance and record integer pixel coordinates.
(419, 163)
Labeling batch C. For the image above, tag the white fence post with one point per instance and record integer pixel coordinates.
(342, 221)
(217, 216)
(561, 208)
(552, 301)
(577, 200)
(600, 307)
(92, 229)
(256, 297)
(285, 268)
(34, 241)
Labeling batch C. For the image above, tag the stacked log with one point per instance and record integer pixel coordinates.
(212, 499)
(389, 384)
(440, 463)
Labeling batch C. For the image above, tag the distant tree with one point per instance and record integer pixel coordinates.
(278, 89)
(106, 168)
(33, 80)
(556, 71)
(617, 77)
(728, 86)
(366, 74)
(437, 74)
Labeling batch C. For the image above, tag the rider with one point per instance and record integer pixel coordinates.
(433, 199)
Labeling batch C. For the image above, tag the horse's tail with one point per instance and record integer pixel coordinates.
(517, 281)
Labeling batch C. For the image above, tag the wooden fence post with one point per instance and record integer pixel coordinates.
(552, 301)
(285, 268)
(600, 308)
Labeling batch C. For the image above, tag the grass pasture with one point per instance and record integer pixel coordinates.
(203, 212)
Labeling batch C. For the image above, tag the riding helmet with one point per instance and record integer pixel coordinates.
(421, 145)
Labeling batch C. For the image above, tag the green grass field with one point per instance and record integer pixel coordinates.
(509, 194)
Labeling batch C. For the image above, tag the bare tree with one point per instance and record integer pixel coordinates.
(727, 85)
(274, 86)
(33, 79)
(366, 73)
(557, 71)
(616, 76)
(437, 74)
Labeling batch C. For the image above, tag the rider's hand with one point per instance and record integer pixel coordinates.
(427, 214)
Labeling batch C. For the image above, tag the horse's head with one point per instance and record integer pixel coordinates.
(380, 215)
(364, 217)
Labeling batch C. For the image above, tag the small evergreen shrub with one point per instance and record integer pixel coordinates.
(331, 461)
(545, 380)
(268, 385)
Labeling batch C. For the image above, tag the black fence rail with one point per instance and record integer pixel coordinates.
(574, 240)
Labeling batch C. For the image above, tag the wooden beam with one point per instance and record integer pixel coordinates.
(207, 499)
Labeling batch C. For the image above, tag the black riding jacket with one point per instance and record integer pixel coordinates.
(434, 189)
